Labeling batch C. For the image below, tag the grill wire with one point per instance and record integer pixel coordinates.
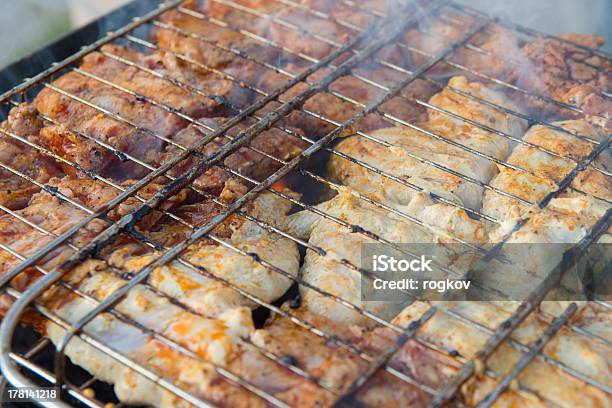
(358, 53)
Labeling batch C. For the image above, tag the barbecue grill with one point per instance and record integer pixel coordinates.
(28, 359)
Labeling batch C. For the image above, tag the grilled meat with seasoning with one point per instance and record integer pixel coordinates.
(218, 314)
(204, 293)
(407, 153)
(152, 126)
(16, 191)
(329, 273)
(51, 213)
(268, 150)
(547, 170)
(575, 350)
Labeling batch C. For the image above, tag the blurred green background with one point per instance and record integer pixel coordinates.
(27, 25)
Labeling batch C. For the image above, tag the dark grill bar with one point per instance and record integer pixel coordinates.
(319, 75)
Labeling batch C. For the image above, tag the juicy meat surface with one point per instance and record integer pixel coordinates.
(208, 317)
(295, 26)
(199, 291)
(547, 67)
(16, 191)
(542, 379)
(151, 123)
(326, 272)
(547, 170)
(249, 162)
(327, 111)
(56, 216)
(194, 37)
(409, 148)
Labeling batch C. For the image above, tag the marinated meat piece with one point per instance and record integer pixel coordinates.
(324, 108)
(294, 27)
(16, 191)
(212, 340)
(193, 36)
(330, 363)
(399, 160)
(203, 293)
(224, 95)
(332, 276)
(547, 67)
(548, 170)
(544, 379)
(151, 86)
(559, 71)
(431, 36)
(250, 163)
(57, 216)
(76, 116)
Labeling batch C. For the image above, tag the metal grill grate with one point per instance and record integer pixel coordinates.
(343, 60)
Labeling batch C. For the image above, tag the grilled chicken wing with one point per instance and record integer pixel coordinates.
(16, 191)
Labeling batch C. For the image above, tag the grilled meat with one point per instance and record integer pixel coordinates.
(56, 216)
(214, 338)
(152, 124)
(195, 38)
(573, 349)
(222, 340)
(16, 191)
(204, 70)
(274, 142)
(326, 110)
(203, 293)
(546, 170)
(329, 274)
(409, 148)
(547, 67)
(211, 340)
(295, 27)
(566, 219)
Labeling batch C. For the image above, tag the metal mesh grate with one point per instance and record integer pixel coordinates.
(342, 59)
